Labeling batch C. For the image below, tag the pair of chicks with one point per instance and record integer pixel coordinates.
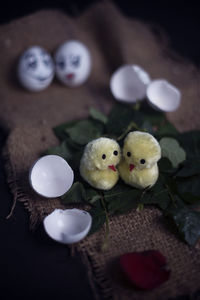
(102, 162)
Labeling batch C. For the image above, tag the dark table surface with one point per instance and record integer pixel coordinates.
(31, 265)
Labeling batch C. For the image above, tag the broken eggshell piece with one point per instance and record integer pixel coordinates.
(129, 83)
(51, 176)
(163, 96)
(67, 226)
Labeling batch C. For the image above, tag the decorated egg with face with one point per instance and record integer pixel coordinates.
(35, 69)
(72, 63)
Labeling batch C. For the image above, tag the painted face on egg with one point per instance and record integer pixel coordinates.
(35, 69)
(73, 63)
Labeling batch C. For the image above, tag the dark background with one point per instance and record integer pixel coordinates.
(180, 19)
(31, 265)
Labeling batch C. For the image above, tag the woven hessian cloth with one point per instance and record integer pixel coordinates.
(113, 40)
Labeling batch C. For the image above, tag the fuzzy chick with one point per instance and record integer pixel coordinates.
(98, 163)
(141, 153)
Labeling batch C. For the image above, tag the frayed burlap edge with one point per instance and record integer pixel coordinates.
(17, 192)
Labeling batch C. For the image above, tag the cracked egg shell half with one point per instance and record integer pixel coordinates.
(68, 226)
(51, 176)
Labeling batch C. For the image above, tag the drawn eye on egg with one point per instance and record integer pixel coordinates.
(31, 61)
(35, 69)
(60, 63)
(47, 60)
(75, 60)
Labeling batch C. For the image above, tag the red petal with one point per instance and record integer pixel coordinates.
(112, 168)
(145, 270)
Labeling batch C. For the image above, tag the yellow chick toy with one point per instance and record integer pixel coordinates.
(141, 153)
(98, 163)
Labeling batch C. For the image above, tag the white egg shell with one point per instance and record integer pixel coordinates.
(73, 63)
(129, 83)
(163, 95)
(35, 69)
(51, 176)
(68, 226)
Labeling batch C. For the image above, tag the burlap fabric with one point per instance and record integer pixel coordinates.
(113, 40)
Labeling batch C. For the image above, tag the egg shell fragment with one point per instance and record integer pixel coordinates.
(68, 226)
(129, 83)
(51, 176)
(163, 96)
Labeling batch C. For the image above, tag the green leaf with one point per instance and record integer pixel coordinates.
(97, 115)
(147, 126)
(171, 149)
(84, 131)
(75, 160)
(160, 125)
(190, 184)
(189, 168)
(120, 118)
(190, 141)
(162, 193)
(76, 194)
(158, 195)
(188, 224)
(164, 164)
(156, 119)
(60, 131)
(161, 199)
(121, 199)
(73, 146)
(98, 219)
(167, 129)
(62, 150)
(190, 199)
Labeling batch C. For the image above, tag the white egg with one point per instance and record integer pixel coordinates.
(51, 176)
(129, 83)
(35, 69)
(67, 226)
(73, 63)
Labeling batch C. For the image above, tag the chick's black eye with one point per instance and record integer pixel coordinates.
(115, 152)
(142, 161)
(128, 154)
(103, 156)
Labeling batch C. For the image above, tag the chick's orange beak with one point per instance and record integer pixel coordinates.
(112, 167)
(131, 167)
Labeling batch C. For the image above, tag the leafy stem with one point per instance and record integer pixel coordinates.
(136, 106)
(170, 195)
(140, 206)
(105, 242)
(131, 126)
